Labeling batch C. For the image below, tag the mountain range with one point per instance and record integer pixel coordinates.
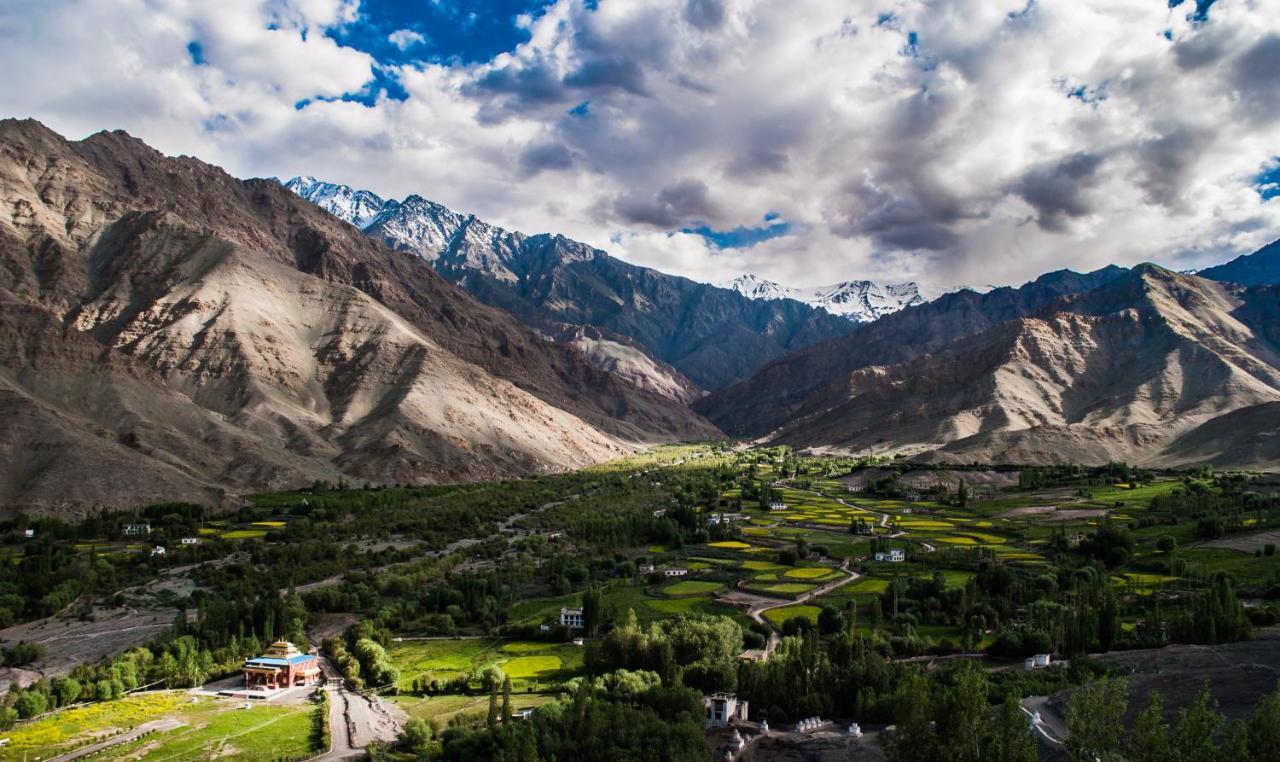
(710, 335)
(861, 301)
(1260, 268)
(1144, 365)
(169, 332)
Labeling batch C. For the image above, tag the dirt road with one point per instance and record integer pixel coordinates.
(758, 604)
(155, 726)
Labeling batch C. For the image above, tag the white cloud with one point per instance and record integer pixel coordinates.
(405, 38)
(1012, 139)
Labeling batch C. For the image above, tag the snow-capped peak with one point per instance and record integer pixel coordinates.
(858, 300)
(357, 207)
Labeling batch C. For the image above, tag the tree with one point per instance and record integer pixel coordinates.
(1012, 741)
(1193, 731)
(592, 610)
(1095, 720)
(492, 719)
(417, 735)
(915, 738)
(1149, 739)
(31, 704)
(1264, 723)
(506, 699)
(963, 716)
(66, 690)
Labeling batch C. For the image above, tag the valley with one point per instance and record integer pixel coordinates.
(441, 609)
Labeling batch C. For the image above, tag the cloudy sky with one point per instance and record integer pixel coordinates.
(809, 141)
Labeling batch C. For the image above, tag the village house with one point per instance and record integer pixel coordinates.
(894, 556)
(190, 541)
(132, 530)
(157, 550)
(571, 618)
(675, 572)
(724, 709)
(28, 533)
(659, 513)
(1039, 661)
(282, 666)
(777, 505)
(646, 568)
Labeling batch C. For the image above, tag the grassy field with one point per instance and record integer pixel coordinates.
(527, 663)
(692, 587)
(228, 732)
(73, 727)
(778, 617)
(445, 708)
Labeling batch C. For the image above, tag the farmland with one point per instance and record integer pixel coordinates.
(451, 601)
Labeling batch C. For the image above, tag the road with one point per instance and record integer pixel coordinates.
(1051, 726)
(756, 612)
(155, 726)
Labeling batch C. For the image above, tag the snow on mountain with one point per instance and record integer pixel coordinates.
(858, 300)
(359, 207)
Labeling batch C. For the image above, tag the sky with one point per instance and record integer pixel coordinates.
(806, 141)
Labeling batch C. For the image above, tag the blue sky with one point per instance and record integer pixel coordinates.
(469, 32)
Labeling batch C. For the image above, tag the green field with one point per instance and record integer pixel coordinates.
(778, 617)
(229, 733)
(692, 587)
(75, 726)
(525, 662)
(445, 708)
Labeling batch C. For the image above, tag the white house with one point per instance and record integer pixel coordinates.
(777, 505)
(724, 709)
(571, 618)
(190, 541)
(157, 550)
(646, 568)
(136, 529)
(675, 572)
(28, 533)
(1039, 661)
(895, 556)
(659, 513)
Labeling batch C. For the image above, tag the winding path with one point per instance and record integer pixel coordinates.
(765, 603)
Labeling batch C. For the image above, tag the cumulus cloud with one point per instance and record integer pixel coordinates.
(971, 141)
(405, 38)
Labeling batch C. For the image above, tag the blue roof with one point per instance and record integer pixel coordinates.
(275, 661)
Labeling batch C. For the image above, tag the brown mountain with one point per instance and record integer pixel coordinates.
(1153, 367)
(170, 332)
(780, 392)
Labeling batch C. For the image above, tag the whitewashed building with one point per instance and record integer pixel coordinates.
(724, 709)
(133, 530)
(895, 556)
(571, 618)
(675, 572)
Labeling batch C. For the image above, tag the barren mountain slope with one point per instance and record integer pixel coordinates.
(189, 333)
(1120, 372)
(713, 336)
(780, 392)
